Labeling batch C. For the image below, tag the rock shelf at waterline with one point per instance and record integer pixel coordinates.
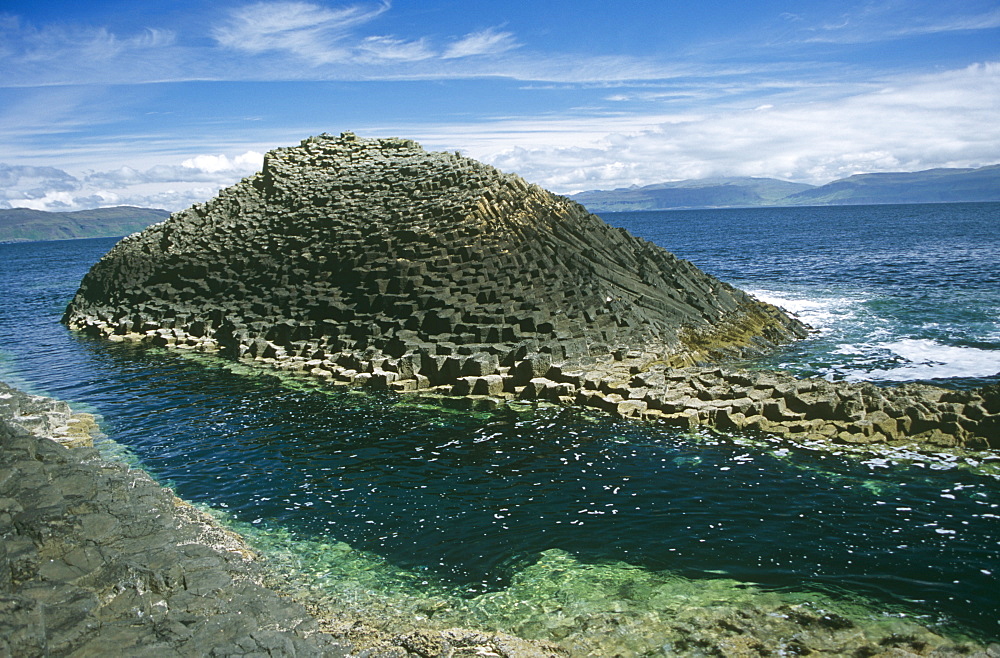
(95, 557)
(373, 262)
(45, 417)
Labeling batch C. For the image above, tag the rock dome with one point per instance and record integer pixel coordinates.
(374, 261)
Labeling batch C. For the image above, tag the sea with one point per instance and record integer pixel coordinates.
(530, 518)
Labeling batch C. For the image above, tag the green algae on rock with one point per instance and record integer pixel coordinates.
(374, 261)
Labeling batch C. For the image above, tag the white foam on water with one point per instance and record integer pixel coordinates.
(856, 344)
(818, 313)
(928, 359)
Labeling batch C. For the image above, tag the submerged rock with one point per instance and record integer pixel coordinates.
(374, 261)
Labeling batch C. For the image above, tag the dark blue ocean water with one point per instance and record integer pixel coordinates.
(896, 292)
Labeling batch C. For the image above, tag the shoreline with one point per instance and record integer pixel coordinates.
(638, 384)
(98, 557)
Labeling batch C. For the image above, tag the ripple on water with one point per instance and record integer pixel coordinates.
(471, 502)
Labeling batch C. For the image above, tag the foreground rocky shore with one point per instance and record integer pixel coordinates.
(98, 559)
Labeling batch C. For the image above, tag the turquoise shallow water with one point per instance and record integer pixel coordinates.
(471, 503)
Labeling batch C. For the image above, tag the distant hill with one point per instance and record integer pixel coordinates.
(930, 186)
(23, 224)
(699, 193)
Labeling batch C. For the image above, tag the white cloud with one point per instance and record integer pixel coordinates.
(35, 178)
(889, 21)
(295, 40)
(984, 21)
(484, 42)
(388, 48)
(168, 186)
(947, 119)
(309, 31)
(63, 53)
(54, 201)
(246, 163)
(940, 120)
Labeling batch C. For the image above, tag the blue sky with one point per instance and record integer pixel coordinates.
(161, 103)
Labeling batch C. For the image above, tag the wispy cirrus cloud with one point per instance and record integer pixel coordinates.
(323, 36)
(290, 41)
(391, 49)
(66, 54)
(894, 20)
(27, 44)
(311, 32)
(982, 21)
(484, 42)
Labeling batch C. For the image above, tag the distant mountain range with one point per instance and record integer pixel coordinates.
(930, 186)
(23, 224)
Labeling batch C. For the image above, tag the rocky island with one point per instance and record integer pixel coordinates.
(372, 262)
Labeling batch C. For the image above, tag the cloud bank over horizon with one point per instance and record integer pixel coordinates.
(171, 187)
(161, 107)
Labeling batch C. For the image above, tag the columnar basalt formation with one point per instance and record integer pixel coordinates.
(375, 260)
(777, 403)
